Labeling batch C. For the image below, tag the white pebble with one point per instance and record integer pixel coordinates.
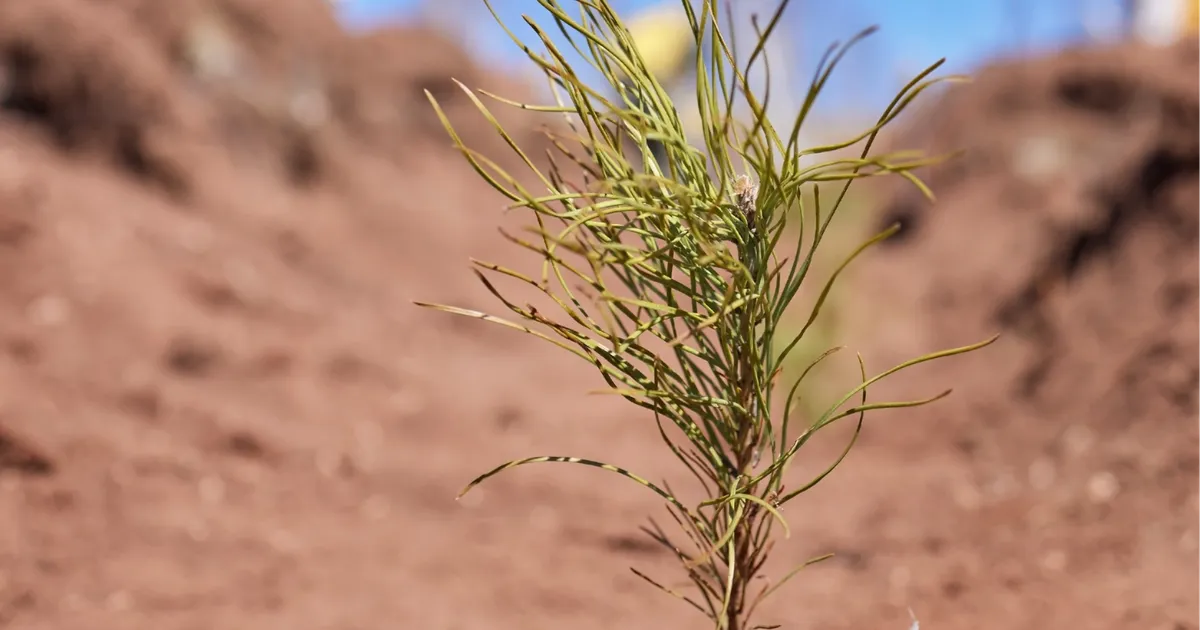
(1103, 487)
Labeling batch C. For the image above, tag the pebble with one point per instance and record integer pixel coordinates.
(967, 496)
(1055, 560)
(49, 310)
(1102, 487)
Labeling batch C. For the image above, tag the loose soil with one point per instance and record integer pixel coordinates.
(219, 408)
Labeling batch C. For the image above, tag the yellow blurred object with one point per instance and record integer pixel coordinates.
(664, 39)
(1161, 22)
(1191, 23)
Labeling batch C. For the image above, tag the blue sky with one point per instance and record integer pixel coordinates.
(913, 34)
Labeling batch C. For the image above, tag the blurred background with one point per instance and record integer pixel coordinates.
(914, 34)
(220, 409)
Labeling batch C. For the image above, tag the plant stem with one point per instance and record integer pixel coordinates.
(748, 419)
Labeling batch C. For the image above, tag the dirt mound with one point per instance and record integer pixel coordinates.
(1068, 224)
(218, 407)
(1069, 449)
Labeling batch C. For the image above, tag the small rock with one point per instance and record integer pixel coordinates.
(245, 444)
(309, 107)
(211, 51)
(49, 310)
(22, 349)
(1055, 560)
(188, 356)
(1038, 157)
(967, 496)
(1102, 487)
(18, 455)
(953, 589)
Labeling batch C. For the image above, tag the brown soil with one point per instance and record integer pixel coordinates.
(219, 408)
(1061, 476)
